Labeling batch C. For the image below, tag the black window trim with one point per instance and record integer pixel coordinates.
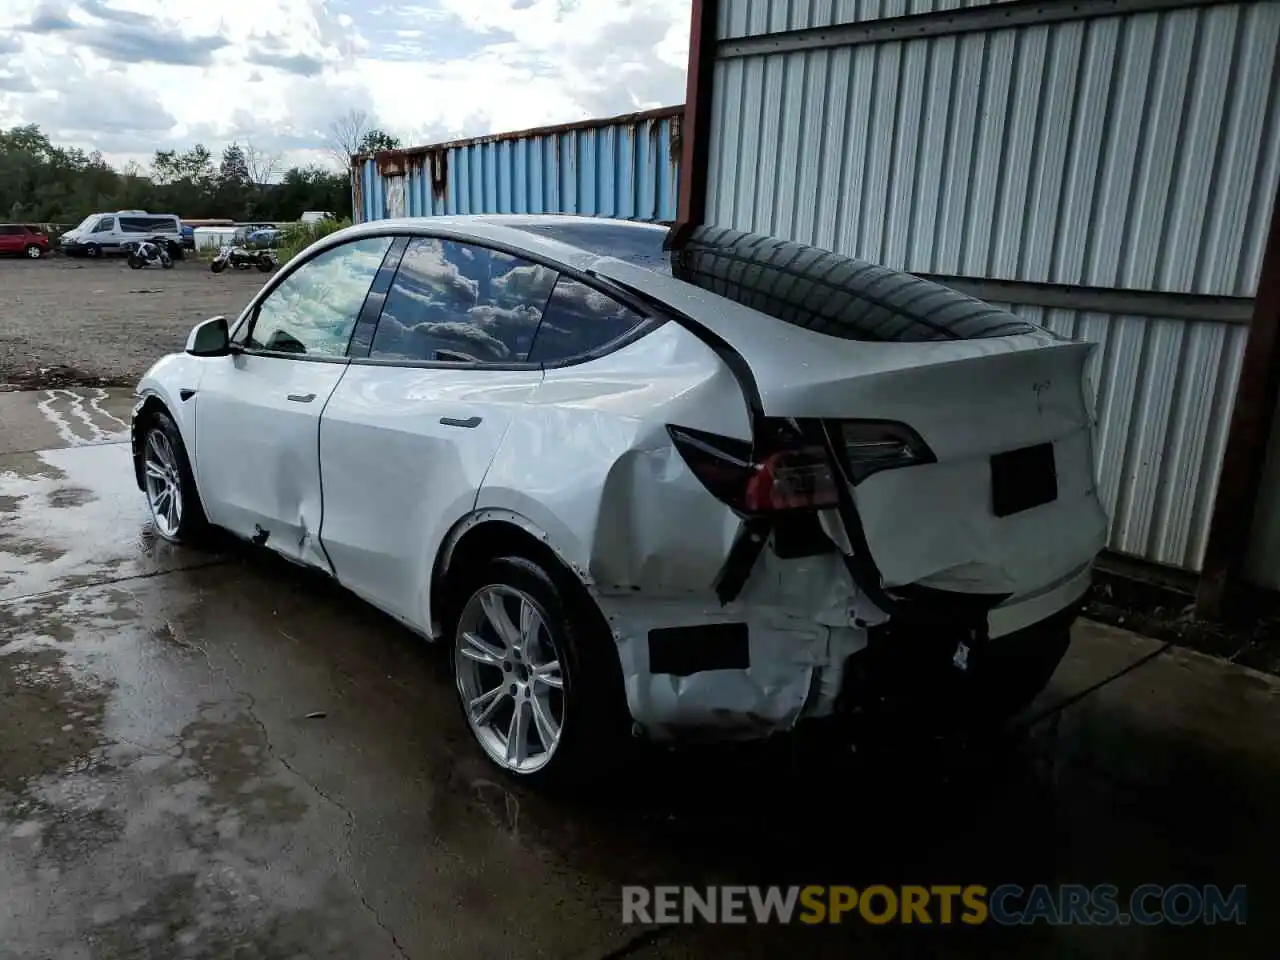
(652, 320)
(250, 315)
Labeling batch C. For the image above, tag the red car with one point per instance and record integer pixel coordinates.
(24, 239)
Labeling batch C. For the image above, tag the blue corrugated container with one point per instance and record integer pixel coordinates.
(625, 166)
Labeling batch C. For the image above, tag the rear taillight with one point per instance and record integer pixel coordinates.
(795, 476)
(869, 446)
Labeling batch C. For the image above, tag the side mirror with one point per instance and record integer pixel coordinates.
(209, 339)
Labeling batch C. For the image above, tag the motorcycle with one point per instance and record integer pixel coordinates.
(146, 253)
(241, 258)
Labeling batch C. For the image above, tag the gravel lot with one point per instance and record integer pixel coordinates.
(66, 321)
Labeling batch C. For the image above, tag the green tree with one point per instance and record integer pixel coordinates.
(375, 140)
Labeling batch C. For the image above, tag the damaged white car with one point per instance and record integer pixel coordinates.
(698, 484)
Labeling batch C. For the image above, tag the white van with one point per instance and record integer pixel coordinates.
(103, 233)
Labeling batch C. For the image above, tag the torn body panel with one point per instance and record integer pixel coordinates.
(801, 620)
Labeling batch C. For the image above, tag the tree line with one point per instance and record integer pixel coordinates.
(41, 182)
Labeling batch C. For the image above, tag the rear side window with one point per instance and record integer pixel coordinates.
(8, 231)
(132, 224)
(456, 302)
(580, 320)
(834, 294)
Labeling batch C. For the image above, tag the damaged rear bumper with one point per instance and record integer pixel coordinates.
(696, 670)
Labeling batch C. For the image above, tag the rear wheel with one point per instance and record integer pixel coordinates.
(539, 687)
(33, 251)
(175, 505)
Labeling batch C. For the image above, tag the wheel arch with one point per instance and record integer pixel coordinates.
(150, 405)
(490, 533)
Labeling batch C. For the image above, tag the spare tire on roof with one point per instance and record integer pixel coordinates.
(831, 293)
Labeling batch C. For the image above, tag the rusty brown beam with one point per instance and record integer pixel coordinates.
(1252, 419)
(696, 128)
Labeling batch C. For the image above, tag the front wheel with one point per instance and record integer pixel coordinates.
(92, 250)
(135, 261)
(265, 265)
(218, 266)
(538, 684)
(175, 505)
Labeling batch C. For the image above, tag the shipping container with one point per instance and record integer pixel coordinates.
(626, 166)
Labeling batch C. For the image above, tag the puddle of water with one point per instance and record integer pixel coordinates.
(75, 515)
(81, 416)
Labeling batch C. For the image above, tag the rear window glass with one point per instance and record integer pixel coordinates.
(637, 243)
(834, 294)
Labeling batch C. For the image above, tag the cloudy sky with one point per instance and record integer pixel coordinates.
(128, 77)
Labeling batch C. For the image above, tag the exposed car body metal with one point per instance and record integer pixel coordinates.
(375, 483)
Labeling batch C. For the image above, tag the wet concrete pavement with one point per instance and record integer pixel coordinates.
(219, 755)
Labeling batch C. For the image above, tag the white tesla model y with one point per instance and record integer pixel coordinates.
(706, 484)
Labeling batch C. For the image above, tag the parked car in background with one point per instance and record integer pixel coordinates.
(105, 233)
(23, 239)
(710, 492)
(315, 216)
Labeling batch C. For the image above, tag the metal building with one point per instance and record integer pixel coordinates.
(618, 167)
(1104, 167)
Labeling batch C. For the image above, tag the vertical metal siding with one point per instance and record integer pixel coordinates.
(750, 18)
(625, 169)
(1135, 151)
(1114, 152)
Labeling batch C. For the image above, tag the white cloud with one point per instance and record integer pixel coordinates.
(277, 72)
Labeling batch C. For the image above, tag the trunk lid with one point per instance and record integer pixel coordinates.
(1005, 416)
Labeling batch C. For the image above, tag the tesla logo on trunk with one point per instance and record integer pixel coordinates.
(1040, 388)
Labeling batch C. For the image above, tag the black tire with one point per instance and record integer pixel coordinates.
(33, 251)
(135, 261)
(265, 265)
(596, 725)
(217, 266)
(193, 526)
(92, 250)
(167, 263)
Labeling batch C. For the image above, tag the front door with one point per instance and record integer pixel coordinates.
(258, 410)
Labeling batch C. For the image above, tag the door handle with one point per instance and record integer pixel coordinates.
(302, 397)
(455, 422)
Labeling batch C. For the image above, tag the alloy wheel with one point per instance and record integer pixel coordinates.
(33, 252)
(164, 483)
(507, 667)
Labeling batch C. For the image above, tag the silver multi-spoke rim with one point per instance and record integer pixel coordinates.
(507, 666)
(33, 252)
(164, 484)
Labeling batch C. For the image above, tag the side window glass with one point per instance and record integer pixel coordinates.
(314, 309)
(105, 225)
(454, 301)
(579, 320)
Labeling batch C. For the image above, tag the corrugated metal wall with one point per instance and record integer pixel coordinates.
(621, 167)
(1113, 153)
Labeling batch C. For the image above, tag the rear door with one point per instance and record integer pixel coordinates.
(411, 430)
(258, 410)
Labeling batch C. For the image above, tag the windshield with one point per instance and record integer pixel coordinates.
(84, 224)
